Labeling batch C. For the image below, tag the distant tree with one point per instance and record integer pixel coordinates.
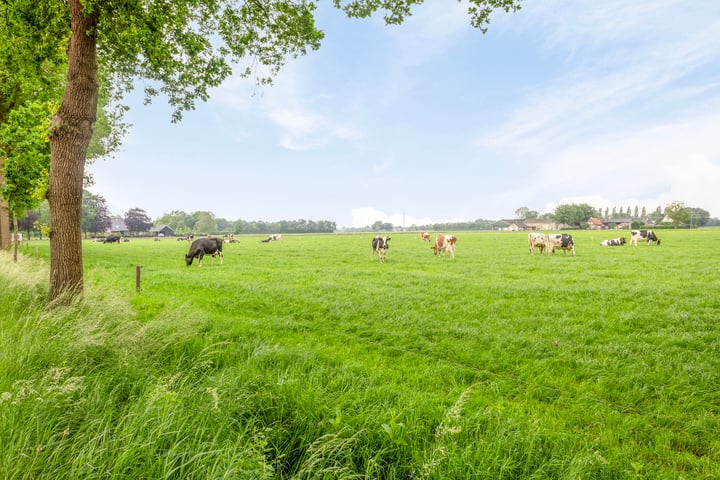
(205, 222)
(656, 216)
(574, 214)
(95, 214)
(137, 221)
(223, 225)
(644, 213)
(678, 213)
(699, 217)
(521, 212)
(181, 222)
(29, 223)
(377, 226)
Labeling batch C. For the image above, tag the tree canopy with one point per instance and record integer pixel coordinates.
(574, 214)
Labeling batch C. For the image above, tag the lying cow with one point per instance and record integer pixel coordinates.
(613, 242)
(272, 238)
(380, 246)
(444, 243)
(204, 246)
(536, 240)
(112, 239)
(647, 235)
(425, 236)
(563, 241)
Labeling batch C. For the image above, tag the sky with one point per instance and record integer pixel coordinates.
(612, 103)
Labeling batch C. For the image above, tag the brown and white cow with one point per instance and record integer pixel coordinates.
(613, 242)
(647, 235)
(425, 236)
(536, 240)
(563, 241)
(380, 246)
(444, 243)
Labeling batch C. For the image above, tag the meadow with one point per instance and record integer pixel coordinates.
(305, 359)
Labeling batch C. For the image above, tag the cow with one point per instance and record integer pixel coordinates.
(425, 236)
(444, 243)
(112, 239)
(204, 246)
(647, 235)
(272, 238)
(536, 240)
(380, 246)
(563, 241)
(613, 242)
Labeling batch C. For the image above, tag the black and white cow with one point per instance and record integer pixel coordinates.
(112, 239)
(205, 246)
(613, 242)
(647, 235)
(272, 238)
(380, 245)
(563, 241)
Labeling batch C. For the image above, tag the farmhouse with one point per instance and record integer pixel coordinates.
(609, 223)
(522, 224)
(162, 231)
(117, 227)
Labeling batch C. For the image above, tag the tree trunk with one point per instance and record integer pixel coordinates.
(70, 133)
(4, 213)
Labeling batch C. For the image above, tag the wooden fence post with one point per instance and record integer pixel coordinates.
(137, 277)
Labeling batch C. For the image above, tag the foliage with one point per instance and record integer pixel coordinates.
(699, 217)
(95, 214)
(204, 222)
(137, 220)
(25, 146)
(29, 223)
(309, 360)
(574, 214)
(678, 213)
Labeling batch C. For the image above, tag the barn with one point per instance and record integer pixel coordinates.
(162, 231)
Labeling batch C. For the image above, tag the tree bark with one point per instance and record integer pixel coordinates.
(70, 133)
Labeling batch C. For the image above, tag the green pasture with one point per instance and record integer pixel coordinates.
(305, 359)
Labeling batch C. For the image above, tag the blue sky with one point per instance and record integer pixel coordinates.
(610, 103)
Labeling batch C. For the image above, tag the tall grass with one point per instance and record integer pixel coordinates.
(305, 359)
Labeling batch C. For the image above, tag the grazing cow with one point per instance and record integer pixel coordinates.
(425, 236)
(380, 245)
(613, 242)
(563, 241)
(272, 238)
(444, 243)
(536, 240)
(112, 239)
(202, 247)
(647, 235)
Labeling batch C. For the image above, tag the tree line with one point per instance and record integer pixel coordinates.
(97, 220)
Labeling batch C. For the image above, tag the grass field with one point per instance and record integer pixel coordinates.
(304, 359)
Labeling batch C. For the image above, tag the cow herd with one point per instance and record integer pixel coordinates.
(548, 243)
(540, 242)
